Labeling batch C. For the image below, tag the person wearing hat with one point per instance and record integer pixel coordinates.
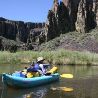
(39, 66)
(42, 65)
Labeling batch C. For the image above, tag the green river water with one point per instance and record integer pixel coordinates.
(83, 85)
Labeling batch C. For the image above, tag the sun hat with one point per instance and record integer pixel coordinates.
(40, 59)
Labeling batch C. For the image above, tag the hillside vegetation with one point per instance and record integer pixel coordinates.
(74, 41)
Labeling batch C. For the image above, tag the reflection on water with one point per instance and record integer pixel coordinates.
(84, 84)
(80, 71)
(66, 89)
(39, 93)
(10, 68)
(24, 93)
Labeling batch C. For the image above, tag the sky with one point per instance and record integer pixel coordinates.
(25, 10)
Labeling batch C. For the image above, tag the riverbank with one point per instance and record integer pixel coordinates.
(58, 57)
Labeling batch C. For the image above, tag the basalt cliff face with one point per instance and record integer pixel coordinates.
(64, 16)
(18, 30)
(21, 32)
(71, 15)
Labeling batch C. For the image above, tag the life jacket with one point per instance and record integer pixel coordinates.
(32, 74)
(35, 68)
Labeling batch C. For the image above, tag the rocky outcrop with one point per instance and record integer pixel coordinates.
(17, 30)
(51, 26)
(71, 15)
(35, 38)
(86, 16)
(20, 31)
(62, 16)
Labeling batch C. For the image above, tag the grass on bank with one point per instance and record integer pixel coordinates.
(54, 57)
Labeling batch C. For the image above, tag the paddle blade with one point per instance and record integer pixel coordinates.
(66, 89)
(66, 76)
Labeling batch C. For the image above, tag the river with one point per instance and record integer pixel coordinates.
(84, 84)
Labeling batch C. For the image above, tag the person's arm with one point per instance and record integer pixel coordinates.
(46, 65)
(42, 68)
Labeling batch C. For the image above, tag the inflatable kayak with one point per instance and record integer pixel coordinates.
(21, 82)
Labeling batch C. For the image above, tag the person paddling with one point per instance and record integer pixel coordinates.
(39, 66)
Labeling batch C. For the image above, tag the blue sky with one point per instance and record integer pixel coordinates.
(25, 10)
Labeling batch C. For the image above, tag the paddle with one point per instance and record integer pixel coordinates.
(66, 89)
(62, 76)
(54, 70)
(66, 75)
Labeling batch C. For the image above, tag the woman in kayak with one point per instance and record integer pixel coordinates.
(39, 66)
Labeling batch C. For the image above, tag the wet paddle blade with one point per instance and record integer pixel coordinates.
(66, 76)
(65, 89)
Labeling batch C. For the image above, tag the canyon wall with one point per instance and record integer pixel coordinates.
(22, 32)
(71, 15)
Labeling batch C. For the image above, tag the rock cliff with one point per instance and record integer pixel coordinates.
(64, 16)
(17, 30)
(71, 15)
(20, 31)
